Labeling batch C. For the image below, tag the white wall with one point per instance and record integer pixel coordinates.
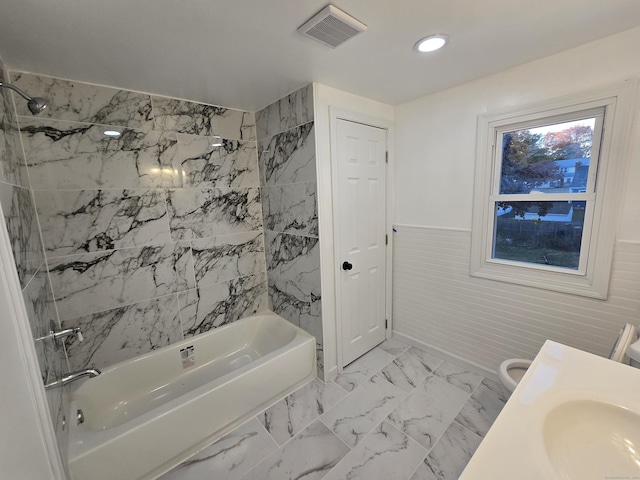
(480, 320)
(326, 98)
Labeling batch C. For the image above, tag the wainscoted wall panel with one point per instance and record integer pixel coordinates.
(286, 143)
(437, 303)
(21, 221)
(149, 236)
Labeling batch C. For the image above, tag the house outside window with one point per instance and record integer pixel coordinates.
(547, 177)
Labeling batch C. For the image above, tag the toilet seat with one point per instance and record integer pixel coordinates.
(506, 371)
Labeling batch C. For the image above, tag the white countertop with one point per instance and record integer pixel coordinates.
(514, 447)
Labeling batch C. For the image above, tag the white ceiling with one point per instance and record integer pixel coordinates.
(246, 53)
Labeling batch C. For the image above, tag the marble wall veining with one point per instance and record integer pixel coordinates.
(151, 236)
(286, 154)
(16, 198)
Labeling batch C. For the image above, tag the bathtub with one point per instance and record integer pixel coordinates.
(148, 414)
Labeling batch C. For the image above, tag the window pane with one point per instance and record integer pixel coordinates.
(545, 233)
(550, 159)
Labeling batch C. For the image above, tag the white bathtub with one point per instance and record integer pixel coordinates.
(146, 415)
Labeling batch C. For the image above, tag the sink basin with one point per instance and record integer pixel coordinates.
(586, 439)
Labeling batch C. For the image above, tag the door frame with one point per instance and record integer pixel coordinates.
(336, 114)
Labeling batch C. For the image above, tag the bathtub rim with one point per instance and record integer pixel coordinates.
(187, 341)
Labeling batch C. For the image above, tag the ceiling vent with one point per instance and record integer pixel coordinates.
(332, 27)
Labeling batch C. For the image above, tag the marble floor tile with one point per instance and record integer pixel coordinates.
(385, 454)
(429, 410)
(450, 455)
(309, 456)
(483, 407)
(355, 416)
(394, 346)
(410, 368)
(230, 457)
(291, 414)
(458, 376)
(363, 368)
(424, 472)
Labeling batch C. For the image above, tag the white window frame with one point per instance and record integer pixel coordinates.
(596, 253)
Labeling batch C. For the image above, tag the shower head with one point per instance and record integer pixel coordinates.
(35, 104)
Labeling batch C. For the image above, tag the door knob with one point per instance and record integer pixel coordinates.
(346, 266)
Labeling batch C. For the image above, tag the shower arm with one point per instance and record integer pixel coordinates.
(16, 89)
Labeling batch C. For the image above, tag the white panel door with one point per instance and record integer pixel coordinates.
(360, 219)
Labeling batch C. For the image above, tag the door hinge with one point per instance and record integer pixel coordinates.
(386, 323)
(386, 239)
(386, 157)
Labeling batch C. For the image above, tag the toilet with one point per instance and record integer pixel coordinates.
(511, 371)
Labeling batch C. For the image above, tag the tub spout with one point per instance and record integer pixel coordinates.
(70, 377)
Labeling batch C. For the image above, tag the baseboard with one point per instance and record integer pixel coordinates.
(471, 366)
(330, 374)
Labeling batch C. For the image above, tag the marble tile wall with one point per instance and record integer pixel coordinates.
(151, 236)
(21, 221)
(286, 154)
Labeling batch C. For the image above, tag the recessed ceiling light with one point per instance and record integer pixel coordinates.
(215, 141)
(112, 133)
(431, 43)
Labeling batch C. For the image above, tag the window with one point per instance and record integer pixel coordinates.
(539, 217)
(547, 177)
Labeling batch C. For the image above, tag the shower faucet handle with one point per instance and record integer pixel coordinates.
(56, 335)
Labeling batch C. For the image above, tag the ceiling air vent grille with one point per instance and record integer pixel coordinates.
(332, 27)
